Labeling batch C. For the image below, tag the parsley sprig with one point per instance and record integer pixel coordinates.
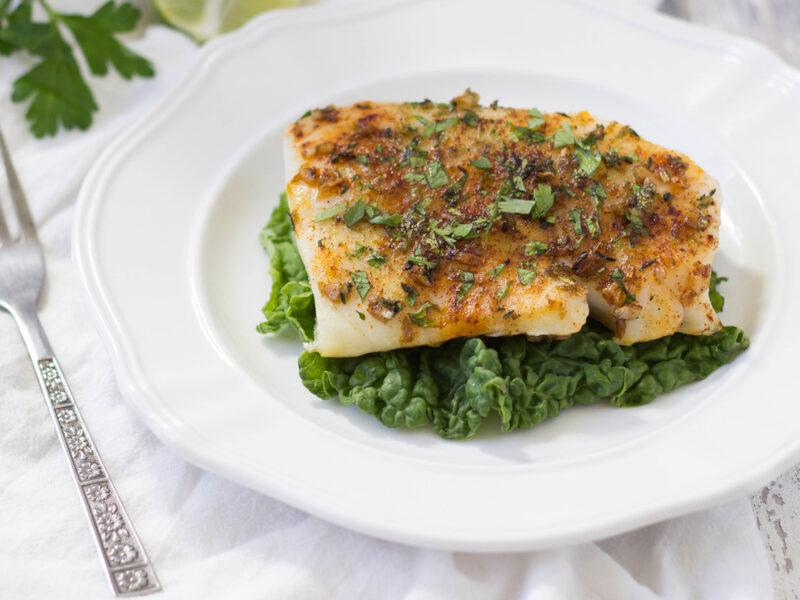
(59, 93)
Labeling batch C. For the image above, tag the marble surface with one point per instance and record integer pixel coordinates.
(776, 24)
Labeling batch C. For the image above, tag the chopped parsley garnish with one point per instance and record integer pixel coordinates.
(378, 217)
(435, 175)
(564, 136)
(634, 215)
(503, 292)
(519, 207)
(467, 280)
(361, 315)
(704, 201)
(329, 213)
(481, 163)
(575, 219)
(411, 294)
(464, 231)
(535, 118)
(420, 260)
(618, 276)
(597, 191)
(470, 118)
(588, 159)
(420, 318)
(363, 159)
(592, 225)
(535, 247)
(543, 196)
(355, 213)
(495, 271)
(414, 177)
(436, 127)
(526, 134)
(358, 252)
(526, 275)
(376, 259)
(453, 193)
(361, 281)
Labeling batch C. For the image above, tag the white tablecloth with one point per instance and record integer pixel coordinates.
(210, 538)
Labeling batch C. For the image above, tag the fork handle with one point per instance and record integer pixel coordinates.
(126, 563)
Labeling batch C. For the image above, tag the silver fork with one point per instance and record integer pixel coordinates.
(21, 277)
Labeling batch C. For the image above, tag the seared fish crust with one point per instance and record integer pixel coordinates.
(422, 222)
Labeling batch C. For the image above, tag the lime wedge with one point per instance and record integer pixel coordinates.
(203, 19)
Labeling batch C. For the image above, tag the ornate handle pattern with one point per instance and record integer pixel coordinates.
(127, 564)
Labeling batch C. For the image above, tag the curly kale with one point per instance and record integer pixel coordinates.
(456, 386)
(291, 303)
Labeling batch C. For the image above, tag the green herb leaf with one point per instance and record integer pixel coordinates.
(544, 198)
(535, 118)
(331, 212)
(376, 259)
(61, 97)
(435, 175)
(470, 118)
(355, 213)
(495, 271)
(411, 294)
(420, 318)
(575, 218)
(564, 136)
(717, 301)
(464, 231)
(501, 294)
(526, 134)
(361, 281)
(597, 190)
(588, 160)
(291, 302)
(514, 206)
(378, 217)
(618, 276)
(418, 259)
(358, 252)
(592, 225)
(481, 163)
(535, 247)
(526, 275)
(467, 280)
(95, 36)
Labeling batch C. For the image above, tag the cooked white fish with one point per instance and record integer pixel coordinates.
(421, 222)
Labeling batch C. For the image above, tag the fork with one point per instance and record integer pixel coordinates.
(21, 277)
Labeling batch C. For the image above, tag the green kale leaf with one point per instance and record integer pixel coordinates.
(291, 302)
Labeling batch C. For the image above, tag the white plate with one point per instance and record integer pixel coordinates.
(166, 242)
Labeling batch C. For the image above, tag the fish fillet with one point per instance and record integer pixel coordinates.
(421, 222)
